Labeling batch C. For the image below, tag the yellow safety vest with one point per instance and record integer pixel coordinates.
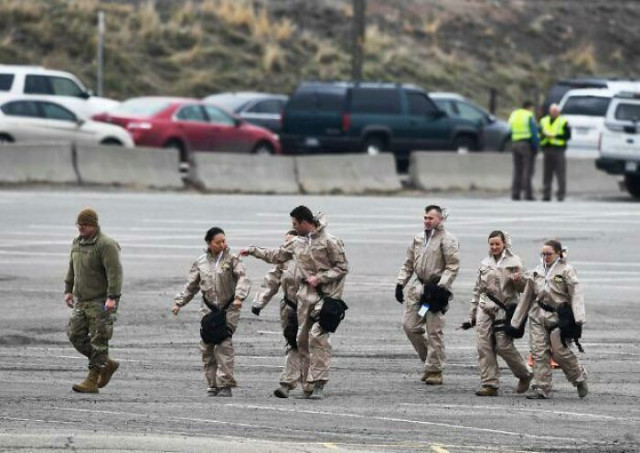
(519, 122)
(555, 129)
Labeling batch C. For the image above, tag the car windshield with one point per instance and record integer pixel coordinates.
(142, 107)
(628, 112)
(586, 105)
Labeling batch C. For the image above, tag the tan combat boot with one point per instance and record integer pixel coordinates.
(106, 372)
(433, 378)
(487, 391)
(90, 384)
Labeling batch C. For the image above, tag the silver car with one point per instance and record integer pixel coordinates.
(496, 134)
(43, 120)
(261, 109)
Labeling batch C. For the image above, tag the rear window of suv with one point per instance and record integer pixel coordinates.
(586, 105)
(6, 80)
(324, 99)
(375, 100)
(627, 112)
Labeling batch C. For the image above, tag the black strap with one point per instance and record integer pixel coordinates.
(546, 307)
(495, 300)
(289, 303)
(212, 307)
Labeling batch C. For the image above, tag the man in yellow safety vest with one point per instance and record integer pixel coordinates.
(555, 132)
(524, 139)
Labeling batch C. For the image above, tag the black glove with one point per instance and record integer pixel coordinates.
(256, 311)
(468, 324)
(399, 294)
(511, 331)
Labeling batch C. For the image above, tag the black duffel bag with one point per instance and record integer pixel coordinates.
(213, 326)
(331, 313)
(290, 331)
(436, 297)
(502, 324)
(569, 330)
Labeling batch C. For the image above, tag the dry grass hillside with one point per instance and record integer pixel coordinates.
(198, 47)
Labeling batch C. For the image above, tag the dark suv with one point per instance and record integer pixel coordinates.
(370, 117)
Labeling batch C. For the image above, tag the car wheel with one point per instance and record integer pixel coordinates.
(373, 146)
(263, 149)
(632, 182)
(111, 142)
(5, 139)
(464, 143)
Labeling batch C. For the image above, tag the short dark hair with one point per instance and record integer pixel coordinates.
(302, 213)
(555, 245)
(211, 233)
(496, 234)
(433, 207)
(527, 104)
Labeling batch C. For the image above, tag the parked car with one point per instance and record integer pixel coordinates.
(261, 109)
(496, 134)
(620, 140)
(371, 118)
(18, 80)
(561, 87)
(31, 119)
(189, 125)
(585, 110)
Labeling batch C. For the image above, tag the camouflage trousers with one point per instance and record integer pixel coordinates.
(90, 329)
(291, 374)
(218, 360)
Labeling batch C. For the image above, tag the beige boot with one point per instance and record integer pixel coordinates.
(433, 378)
(487, 391)
(90, 384)
(107, 371)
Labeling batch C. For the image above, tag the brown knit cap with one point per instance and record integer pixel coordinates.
(87, 216)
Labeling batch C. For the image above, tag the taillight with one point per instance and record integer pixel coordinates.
(346, 122)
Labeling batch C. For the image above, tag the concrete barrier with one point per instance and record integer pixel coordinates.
(444, 171)
(347, 174)
(44, 162)
(245, 173)
(135, 167)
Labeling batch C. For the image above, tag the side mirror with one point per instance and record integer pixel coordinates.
(437, 114)
(80, 121)
(491, 118)
(238, 121)
(86, 94)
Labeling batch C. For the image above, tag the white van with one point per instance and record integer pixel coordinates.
(35, 80)
(620, 141)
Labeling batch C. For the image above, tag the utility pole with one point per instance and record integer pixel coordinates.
(357, 38)
(100, 56)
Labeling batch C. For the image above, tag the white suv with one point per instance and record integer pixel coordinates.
(17, 80)
(620, 140)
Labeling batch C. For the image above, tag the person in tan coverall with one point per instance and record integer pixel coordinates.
(433, 255)
(551, 284)
(322, 266)
(222, 279)
(498, 286)
(283, 275)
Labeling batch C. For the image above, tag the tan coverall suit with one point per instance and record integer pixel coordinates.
(284, 275)
(322, 255)
(221, 279)
(437, 257)
(551, 286)
(494, 277)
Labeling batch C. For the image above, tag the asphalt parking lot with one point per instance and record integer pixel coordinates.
(374, 400)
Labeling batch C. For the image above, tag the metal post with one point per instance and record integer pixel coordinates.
(100, 55)
(493, 100)
(357, 38)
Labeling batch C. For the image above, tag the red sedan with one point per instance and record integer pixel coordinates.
(189, 125)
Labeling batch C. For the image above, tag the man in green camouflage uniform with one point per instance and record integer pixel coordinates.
(94, 280)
